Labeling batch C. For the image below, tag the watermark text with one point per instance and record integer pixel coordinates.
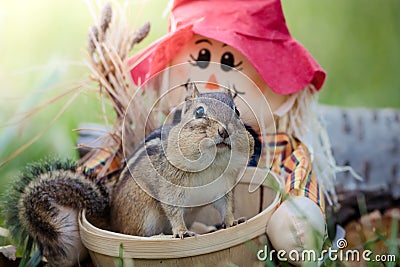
(333, 253)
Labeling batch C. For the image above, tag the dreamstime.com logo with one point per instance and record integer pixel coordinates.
(332, 254)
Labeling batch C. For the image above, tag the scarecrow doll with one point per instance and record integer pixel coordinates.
(246, 46)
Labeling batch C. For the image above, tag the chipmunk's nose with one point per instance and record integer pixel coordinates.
(223, 132)
(212, 83)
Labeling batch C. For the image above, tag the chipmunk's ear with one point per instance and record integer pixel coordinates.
(228, 91)
(191, 94)
(191, 91)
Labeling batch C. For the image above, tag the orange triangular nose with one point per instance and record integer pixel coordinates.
(212, 83)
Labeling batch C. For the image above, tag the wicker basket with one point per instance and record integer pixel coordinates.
(236, 245)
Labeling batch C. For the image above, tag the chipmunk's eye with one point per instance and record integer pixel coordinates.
(199, 112)
(237, 112)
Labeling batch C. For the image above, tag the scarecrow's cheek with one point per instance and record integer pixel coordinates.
(257, 87)
(254, 107)
(179, 73)
(194, 62)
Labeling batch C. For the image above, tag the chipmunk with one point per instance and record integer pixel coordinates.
(182, 166)
(43, 203)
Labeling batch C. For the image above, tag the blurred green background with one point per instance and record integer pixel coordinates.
(42, 47)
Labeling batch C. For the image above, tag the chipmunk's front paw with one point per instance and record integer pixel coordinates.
(233, 223)
(239, 221)
(184, 233)
(220, 226)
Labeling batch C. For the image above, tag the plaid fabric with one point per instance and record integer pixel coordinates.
(291, 160)
(101, 166)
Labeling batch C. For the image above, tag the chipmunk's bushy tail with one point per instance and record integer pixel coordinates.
(43, 206)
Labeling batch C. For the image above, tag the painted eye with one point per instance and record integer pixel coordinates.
(228, 61)
(199, 112)
(203, 58)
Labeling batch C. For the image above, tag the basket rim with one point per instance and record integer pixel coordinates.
(108, 243)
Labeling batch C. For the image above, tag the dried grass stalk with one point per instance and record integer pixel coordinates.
(109, 44)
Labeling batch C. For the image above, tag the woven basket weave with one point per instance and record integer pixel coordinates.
(236, 245)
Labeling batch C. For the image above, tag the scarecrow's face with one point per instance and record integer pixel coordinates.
(212, 65)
